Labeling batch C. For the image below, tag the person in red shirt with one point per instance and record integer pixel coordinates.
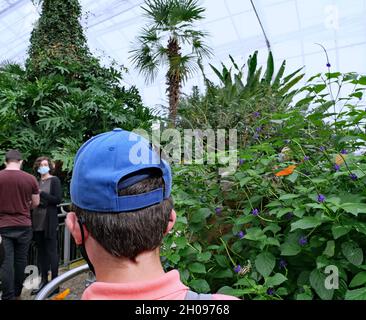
(19, 193)
(120, 190)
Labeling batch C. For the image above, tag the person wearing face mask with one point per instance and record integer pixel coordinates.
(45, 220)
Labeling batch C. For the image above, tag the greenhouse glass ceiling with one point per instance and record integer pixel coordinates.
(293, 29)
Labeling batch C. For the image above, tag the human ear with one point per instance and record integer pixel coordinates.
(172, 219)
(74, 227)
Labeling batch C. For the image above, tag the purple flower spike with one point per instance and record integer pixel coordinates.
(282, 264)
(303, 241)
(237, 269)
(337, 167)
(271, 291)
(241, 235)
(256, 114)
(322, 149)
(256, 136)
(353, 176)
(255, 212)
(306, 158)
(218, 211)
(241, 162)
(289, 216)
(328, 65)
(259, 129)
(344, 151)
(321, 198)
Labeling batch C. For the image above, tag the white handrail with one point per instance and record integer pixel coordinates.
(44, 293)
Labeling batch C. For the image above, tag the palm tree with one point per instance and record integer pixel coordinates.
(172, 40)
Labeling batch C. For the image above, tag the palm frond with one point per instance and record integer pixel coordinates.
(149, 36)
(146, 62)
(185, 65)
(157, 11)
(187, 11)
(170, 13)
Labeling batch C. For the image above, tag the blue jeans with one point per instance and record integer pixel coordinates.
(16, 244)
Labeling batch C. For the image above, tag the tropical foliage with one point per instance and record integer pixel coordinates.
(238, 102)
(295, 210)
(63, 96)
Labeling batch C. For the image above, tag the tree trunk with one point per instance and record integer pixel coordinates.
(173, 80)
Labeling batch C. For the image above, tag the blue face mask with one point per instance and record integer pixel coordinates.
(43, 170)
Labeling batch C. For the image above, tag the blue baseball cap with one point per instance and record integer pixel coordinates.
(113, 161)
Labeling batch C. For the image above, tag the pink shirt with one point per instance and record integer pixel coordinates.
(167, 287)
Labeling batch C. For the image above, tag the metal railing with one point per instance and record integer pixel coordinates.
(66, 246)
(46, 291)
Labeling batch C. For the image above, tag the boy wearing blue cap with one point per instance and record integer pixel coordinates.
(120, 190)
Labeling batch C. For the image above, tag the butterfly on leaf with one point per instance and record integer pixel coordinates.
(340, 159)
(243, 271)
(286, 172)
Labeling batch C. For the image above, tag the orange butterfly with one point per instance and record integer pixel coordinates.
(286, 172)
(62, 295)
(340, 158)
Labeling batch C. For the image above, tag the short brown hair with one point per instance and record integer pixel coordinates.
(13, 156)
(127, 234)
(38, 161)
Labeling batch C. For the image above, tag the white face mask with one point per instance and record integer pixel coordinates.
(43, 170)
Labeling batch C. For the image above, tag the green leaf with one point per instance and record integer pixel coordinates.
(222, 261)
(339, 231)
(329, 250)
(299, 212)
(354, 208)
(290, 249)
(272, 242)
(270, 68)
(199, 285)
(227, 273)
(197, 267)
(293, 177)
(255, 234)
(317, 281)
(304, 296)
(306, 223)
(360, 227)
(246, 282)
(265, 263)
(274, 228)
(289, 196)
(235, 292)
(358, 294)
(201, 215)
(358, 280)
(204, 257)
(362, 80)
(276, 280)
(281, 212)
(244, 181)
(245, 219)
(174, 258)
(181, 242)
(352, 252)
(274, 204)
(277, 80)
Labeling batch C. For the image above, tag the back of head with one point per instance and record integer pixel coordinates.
(13, 156)
(120, 189)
